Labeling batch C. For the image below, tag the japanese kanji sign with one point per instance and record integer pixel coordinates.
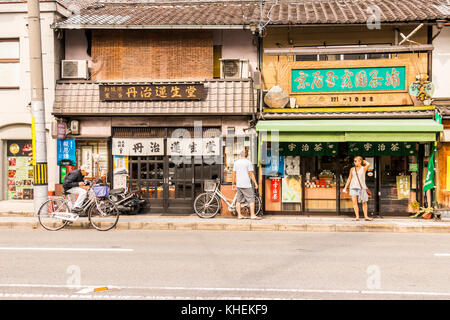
(193, 147)
(306, 149)
(348, 79)
(403, 187)
(382, 149)
(66, 151)
(152, 92)
(138, 146)
(275, 189)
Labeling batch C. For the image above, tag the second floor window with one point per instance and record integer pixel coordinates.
(346, 56)
(9, 63)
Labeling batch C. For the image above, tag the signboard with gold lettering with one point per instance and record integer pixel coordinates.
(152, 92)
(348, 83)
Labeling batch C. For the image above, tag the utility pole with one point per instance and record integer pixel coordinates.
(40, 180)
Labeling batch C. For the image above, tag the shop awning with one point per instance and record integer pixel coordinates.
(351, 130)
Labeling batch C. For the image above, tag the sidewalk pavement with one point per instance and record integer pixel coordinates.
(268, 223)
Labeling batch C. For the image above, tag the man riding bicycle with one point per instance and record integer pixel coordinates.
(242, 174)
(73, 183)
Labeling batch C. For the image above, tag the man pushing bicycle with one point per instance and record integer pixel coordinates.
(242, 176)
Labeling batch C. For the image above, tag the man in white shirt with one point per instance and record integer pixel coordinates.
(242, 177)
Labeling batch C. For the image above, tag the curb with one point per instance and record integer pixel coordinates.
(242, 226)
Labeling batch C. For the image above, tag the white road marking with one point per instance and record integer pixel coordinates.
(110, 297)
(267, 290)
(66, 249)
(442, 254)
(92, 289)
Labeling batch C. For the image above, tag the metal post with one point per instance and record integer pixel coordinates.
(40, 183)
(434, 190)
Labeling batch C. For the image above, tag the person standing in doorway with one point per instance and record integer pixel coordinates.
(357, 181)
(242, 177)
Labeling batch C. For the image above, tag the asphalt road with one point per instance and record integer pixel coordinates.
(74, 264)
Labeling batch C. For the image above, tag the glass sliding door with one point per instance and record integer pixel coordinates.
(398, 184)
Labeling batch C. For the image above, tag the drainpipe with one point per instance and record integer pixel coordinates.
(260, 63)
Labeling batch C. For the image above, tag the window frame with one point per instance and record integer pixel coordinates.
(11, 61)
(342, 55)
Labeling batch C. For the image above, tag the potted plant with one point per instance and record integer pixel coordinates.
(415, 205)
(426, 213)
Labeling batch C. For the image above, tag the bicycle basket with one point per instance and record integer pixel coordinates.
(101, 191)
(210, 185)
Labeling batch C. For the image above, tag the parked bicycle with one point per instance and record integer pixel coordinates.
(56, 213)
(128, 202)
(208, 204)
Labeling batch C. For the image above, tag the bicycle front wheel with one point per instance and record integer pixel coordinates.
(47, 212)
(103, 215)
(206, 205)
(258, 206)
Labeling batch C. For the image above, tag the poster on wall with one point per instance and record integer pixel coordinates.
(20, 170)
(66, 151)
(292, 165)
(403, 187)
(120, 164)
(291, 189)
(273, 165)
(86, 158)
(120, 170)
(275, 188)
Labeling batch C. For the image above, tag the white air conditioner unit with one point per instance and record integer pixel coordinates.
(74, 69)
(75, 127)
(234, 68)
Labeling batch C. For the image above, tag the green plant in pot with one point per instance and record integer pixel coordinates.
(425, 213)
(415, 205)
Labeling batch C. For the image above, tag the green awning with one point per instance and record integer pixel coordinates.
(351, 130)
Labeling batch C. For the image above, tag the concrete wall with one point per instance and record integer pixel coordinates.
(441, 63)
(15, 115)
(237, 44)
(76, 45)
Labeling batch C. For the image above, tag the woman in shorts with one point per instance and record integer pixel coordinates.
(357, 181)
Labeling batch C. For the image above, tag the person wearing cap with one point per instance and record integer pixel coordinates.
(73, 183)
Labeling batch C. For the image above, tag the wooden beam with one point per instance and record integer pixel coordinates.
(350, 109)
(344, 50)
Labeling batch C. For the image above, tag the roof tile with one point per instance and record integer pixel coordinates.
(354, 11)
(214, 12)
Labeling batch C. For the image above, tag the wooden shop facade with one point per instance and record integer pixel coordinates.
(347, 90)
(166, 104)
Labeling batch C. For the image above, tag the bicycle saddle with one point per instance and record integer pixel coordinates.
(116, 191)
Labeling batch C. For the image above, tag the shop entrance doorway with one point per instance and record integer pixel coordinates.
(170, 183)
(345, 201)
(398, 185)
(316, 187)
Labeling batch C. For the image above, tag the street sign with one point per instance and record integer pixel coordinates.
(66, 151)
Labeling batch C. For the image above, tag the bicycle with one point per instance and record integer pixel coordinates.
(56, 212)
(208, 204)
